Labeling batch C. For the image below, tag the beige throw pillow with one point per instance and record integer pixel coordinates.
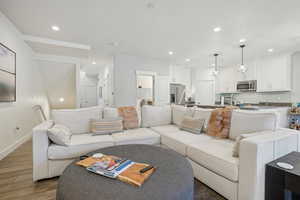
(60, 134)
(106, 126)
(192, 125)
(130, 117)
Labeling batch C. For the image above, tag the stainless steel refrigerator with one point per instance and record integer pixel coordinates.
(177, 93)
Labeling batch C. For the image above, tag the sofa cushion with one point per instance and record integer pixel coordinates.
(216, 155)
(179, 112)
(177, 139)
(156, 115)
(77, 120)
(243, 122)
(137, 136)
(80, 145)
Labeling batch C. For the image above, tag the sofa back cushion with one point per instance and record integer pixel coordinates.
(77, 120)
(243, 122)
(110, 113)
(156, 115)
(179, 112)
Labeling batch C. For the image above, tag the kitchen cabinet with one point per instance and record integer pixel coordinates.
(226, 80)
(181, 75)
(274, 74)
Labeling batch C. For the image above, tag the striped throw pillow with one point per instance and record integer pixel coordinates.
(106, 126)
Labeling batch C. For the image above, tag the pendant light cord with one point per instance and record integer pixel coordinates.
(242, 46)
(216, 61)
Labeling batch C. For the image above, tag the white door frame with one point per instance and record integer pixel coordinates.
(147, 73)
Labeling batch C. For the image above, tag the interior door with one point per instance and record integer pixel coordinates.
(162, 90)
(205, 92)
(88, 96)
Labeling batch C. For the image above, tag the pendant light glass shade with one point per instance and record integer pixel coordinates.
(242, 67)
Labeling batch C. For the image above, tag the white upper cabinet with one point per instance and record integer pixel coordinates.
(274, 74)
(182, 75)
(226, 80)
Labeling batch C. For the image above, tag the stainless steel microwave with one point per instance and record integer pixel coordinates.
(247, 86)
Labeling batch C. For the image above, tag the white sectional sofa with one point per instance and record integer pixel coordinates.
(212, 161)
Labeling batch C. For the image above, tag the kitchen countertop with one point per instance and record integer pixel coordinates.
(247, 106)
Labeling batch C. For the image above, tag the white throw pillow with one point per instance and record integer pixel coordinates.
(60, 134)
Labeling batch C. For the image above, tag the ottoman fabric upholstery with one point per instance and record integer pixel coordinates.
(173, 179)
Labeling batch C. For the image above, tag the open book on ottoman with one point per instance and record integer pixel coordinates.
(115, 167)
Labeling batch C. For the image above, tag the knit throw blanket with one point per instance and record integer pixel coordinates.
(219, 122)
(130, 117)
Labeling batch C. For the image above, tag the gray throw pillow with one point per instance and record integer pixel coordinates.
(192, 125)
(60, 134)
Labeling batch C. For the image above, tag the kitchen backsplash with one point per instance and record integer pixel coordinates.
(249, 97)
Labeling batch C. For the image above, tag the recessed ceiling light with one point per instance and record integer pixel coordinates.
(171, 52)
(187, 60)
(270, 50)
(217, 29)
(61, 99)
(243, 40)
(94, 63)
(55, 28)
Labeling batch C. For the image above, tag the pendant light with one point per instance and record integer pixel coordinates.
(216, 70)
(242, 68)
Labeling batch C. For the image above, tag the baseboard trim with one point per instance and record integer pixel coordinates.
(15, 145)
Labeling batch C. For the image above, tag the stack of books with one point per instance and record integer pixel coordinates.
(118, 168)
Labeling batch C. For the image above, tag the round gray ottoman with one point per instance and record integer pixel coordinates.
(173, 179)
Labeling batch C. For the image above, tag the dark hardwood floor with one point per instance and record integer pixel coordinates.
(16, 180)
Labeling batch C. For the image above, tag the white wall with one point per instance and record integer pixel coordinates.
(60, 82)
(30, 91)
(125, 67)
(295, 95)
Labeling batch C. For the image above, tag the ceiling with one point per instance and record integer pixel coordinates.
(152, 28)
